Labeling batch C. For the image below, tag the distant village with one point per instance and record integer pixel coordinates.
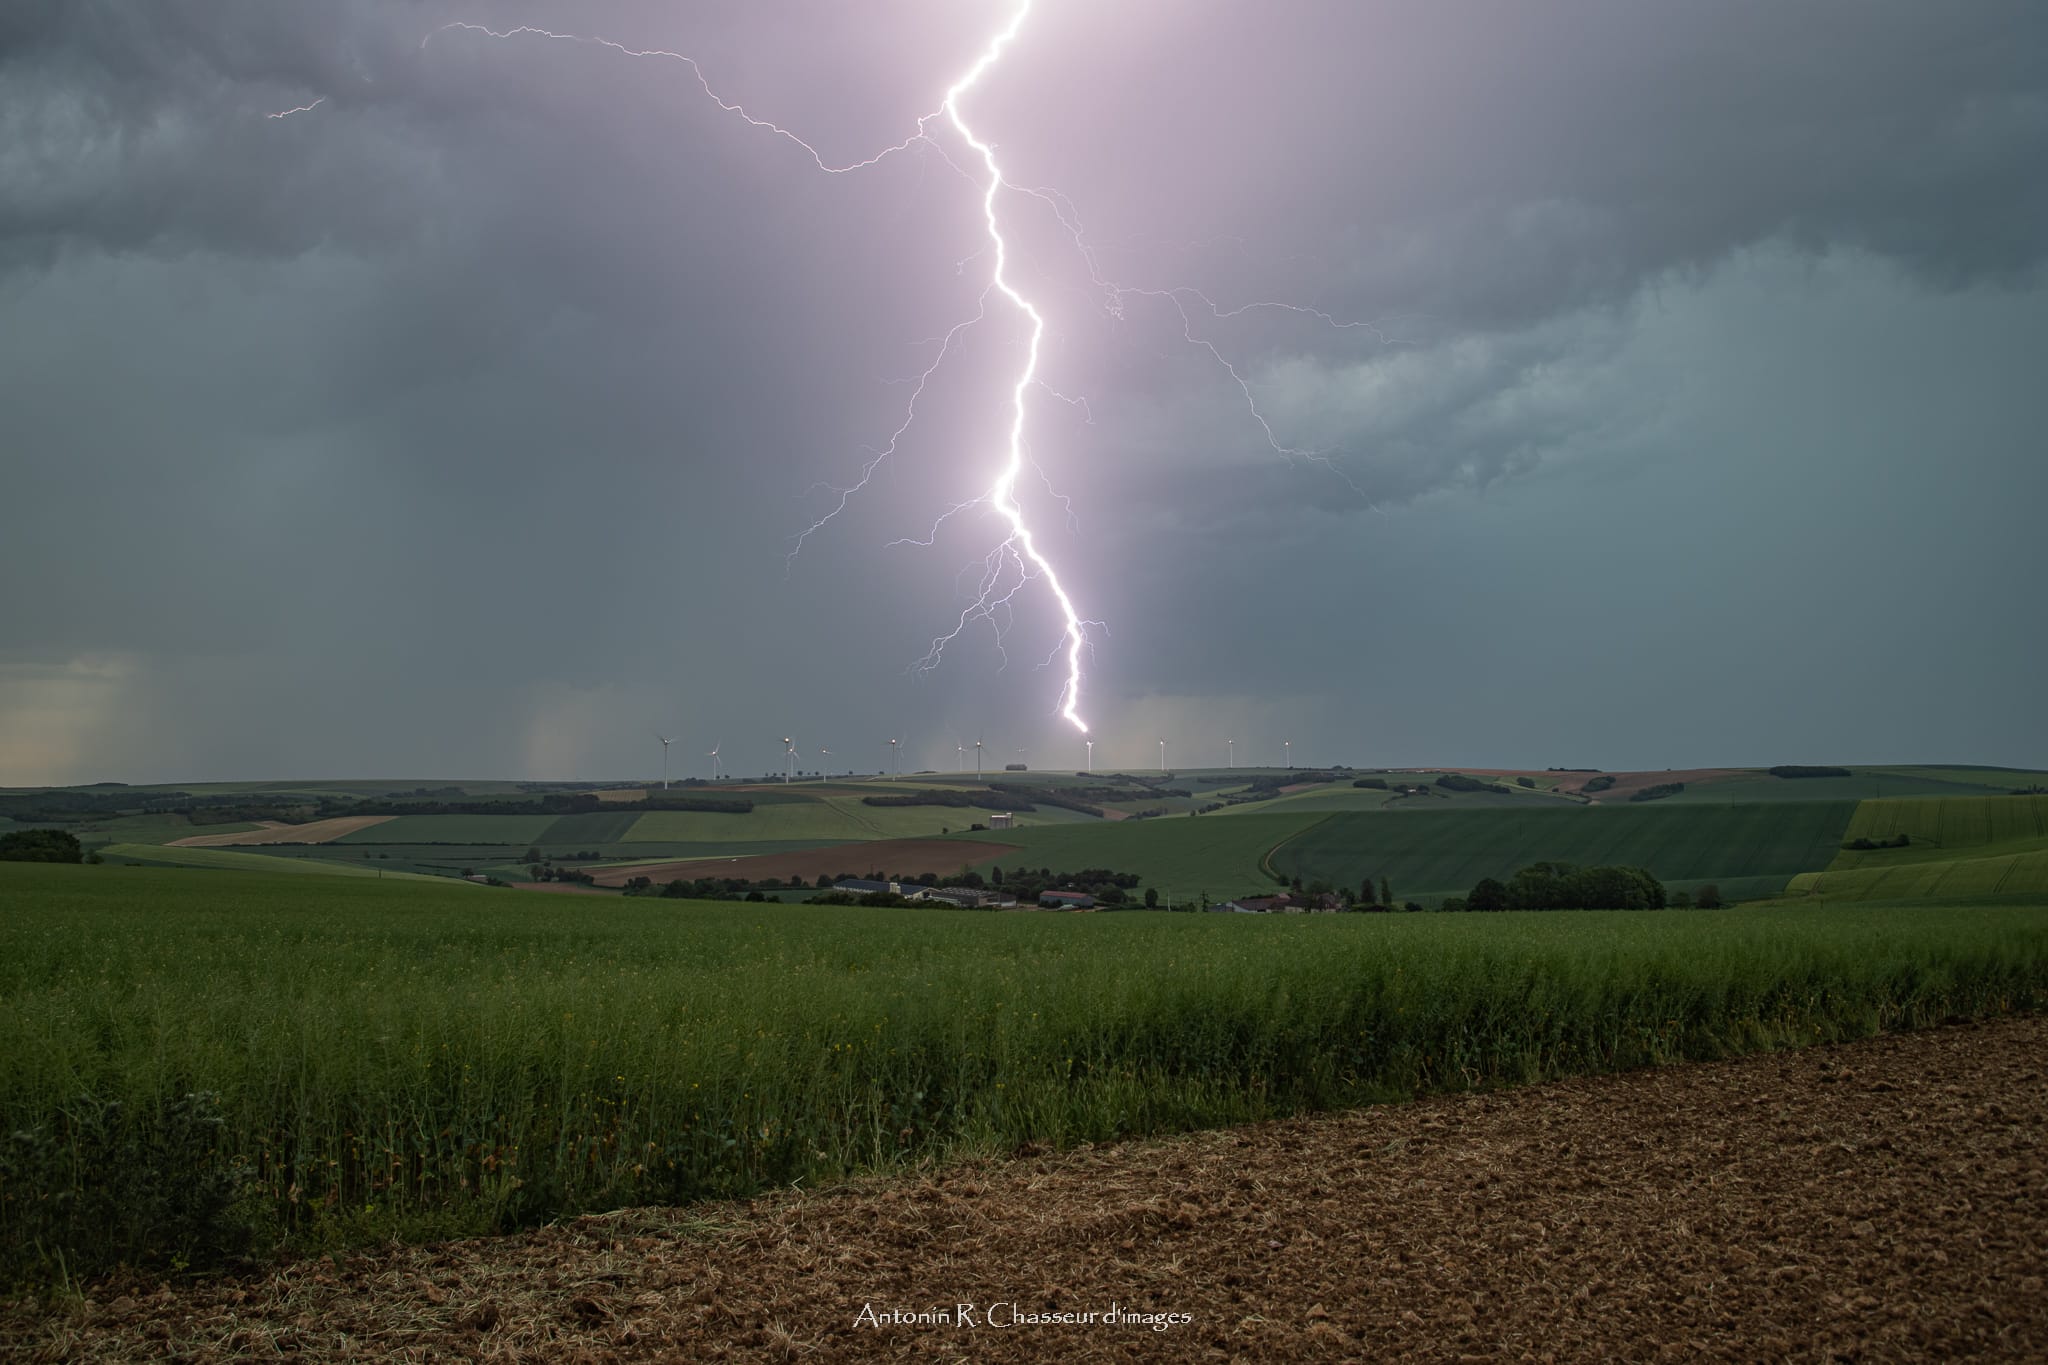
(995, 898)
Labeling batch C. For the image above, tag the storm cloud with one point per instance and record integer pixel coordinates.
(462, 424)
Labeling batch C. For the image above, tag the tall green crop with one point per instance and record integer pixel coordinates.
(331, 1059)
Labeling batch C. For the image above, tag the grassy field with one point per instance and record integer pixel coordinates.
(1427, 855)
(187, 1059)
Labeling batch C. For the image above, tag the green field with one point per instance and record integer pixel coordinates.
(233, 860)
(830, 819)
(2010, 874)
(1971, 846)
(1947, 826)
(522, 830)
(1213, 854)
(594, 830)
(1428, 855)
(1865, 784)
(314, 1061)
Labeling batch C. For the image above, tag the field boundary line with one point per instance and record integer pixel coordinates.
(1266, 861)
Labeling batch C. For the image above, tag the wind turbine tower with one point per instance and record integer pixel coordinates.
(896, 756)
(788, 759)
(665, 742)
(1230, 748)
(713, 756)
(1162, 755)
(1091, 755)
(977, 757)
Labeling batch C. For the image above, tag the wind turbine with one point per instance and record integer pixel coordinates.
(1230, 747)
(826, 753)
(1162, 755)
(713, 756)
(665, 742)
(896, 757)
(788, 759)
(1091, 755)
(1288, 745)
(959, 757)
(977, 756)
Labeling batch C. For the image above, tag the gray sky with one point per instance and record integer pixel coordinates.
(462, 424)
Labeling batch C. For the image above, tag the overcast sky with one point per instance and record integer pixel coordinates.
(462, 424)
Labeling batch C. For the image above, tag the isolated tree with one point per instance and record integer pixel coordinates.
(1386, 893)
(1151, 898)
(1366, 894)
(1707, 897)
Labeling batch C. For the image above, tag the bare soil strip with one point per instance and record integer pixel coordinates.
(1883, 1200)
(312, 832)
(907, 857)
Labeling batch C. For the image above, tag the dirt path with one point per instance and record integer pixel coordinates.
(1878, 1201)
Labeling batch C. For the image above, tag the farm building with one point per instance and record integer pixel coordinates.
(860, 886)
(966, 897)
(1001, 820)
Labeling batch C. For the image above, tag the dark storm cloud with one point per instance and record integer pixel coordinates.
(463, 421)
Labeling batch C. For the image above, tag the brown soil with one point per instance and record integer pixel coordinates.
(1883, 1200)
(620, 794)
(906, 856)
(312, 832)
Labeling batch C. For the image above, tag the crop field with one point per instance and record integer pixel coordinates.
(921, 858)
(1952, 823)
(1865, 784)
(2010, 874)
(826, 819)
(310, 832)
(189, 1059)
(1427, 855)
(453, 829)
(1216, 854)
(229, 860)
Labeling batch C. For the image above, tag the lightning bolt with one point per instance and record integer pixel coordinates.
(1002, 494)
(302, 109)
(1017, 561)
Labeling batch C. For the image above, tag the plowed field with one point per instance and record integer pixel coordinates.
(1883, 1200)
(908, 857)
